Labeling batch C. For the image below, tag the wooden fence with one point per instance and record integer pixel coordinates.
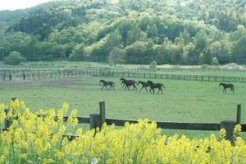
(97, 120)
(6, 75)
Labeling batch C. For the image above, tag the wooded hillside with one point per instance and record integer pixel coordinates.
(128, 31)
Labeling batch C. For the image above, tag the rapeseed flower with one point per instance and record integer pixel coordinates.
(32, 138)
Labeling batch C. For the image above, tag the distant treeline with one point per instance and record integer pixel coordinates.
(128, 31)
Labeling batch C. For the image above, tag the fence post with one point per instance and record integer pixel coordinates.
(102, 112)
(238, 114)
(24, 75)
(229, 127)
(94, 121)
(10, 76)
(7, 122)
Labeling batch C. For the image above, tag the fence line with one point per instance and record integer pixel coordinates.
(97, 120)
(78, 73)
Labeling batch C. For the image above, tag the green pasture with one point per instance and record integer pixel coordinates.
(182, 101)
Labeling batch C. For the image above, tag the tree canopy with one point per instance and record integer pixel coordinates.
(165, 31)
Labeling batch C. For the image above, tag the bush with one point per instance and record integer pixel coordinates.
(77, 53)
(14, 58)
(116, 56)
(152, 65)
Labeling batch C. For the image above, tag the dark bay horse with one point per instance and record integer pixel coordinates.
(158, 86)
(128, 83)
(107, 83)
(144, 85)
(225, 86)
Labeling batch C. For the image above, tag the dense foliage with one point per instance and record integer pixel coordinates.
(14, 58)
(142, 31)
(33, 139)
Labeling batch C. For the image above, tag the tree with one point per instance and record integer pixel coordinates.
(116, 55)
(240, 51)
(14, 58)
(152, 66)
(77, 53)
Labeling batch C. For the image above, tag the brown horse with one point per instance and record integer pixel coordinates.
(158, 86)
(144, 85)
(107, 83)
(128, 83)
(225, 86)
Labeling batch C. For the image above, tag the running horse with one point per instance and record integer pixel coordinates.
(225, 86)
(144, 85)
(106, 84)
(128, 83)
(154, 86)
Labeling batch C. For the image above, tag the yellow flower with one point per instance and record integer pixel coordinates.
(65, 106)
(32, 136)
(39, 146)
(24, 156)
(2, 158)
(237, 130)
(60, 155)
(223, 133)
(73, 118)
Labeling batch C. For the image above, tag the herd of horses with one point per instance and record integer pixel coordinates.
(149, 85)
(132, 84)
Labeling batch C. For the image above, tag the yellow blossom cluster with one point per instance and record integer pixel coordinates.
(42, 138)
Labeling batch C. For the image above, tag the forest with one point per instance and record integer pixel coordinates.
(187, 32)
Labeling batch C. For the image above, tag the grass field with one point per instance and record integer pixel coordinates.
(186, 101)
(182, 101)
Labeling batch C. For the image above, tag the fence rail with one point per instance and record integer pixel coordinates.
(77, 73)
(97, 120)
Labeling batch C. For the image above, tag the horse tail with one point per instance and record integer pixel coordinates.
(163, 86)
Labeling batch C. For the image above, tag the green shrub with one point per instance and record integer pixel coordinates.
(14, 58)
(152, 65)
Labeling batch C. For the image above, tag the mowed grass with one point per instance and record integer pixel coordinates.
(186, 101)
(181, 101)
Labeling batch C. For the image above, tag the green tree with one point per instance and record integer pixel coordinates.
(14, 58)
(77, 53)
(116, 56)
(240, 50)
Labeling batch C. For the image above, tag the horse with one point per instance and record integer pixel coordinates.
(128, 83)
(159, 86)
(123, 81)
(144, 85)
(225, 86)
(107, 83)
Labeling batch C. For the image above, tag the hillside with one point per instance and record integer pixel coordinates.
(188, 32)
